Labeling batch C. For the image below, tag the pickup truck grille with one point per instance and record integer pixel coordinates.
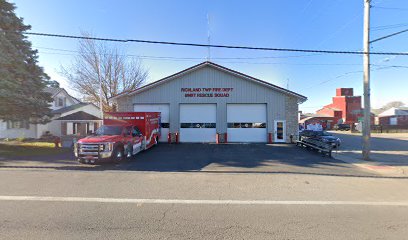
(91, 148)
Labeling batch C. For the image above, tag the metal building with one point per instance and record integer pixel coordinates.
(208, 102)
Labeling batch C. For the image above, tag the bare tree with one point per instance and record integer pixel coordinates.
(97, 62)
(393, 104)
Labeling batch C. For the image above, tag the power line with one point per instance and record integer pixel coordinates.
(216, 46)
(168, 58)
(203, 58)
(391, 8)
(390, 26)
(379, 67)
(390, 35)
(340, 29)
(221, 58)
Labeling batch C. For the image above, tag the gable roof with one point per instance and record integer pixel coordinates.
(80, 115)
(217, 66)
(69, 108)
(400, 111)
(54, 91)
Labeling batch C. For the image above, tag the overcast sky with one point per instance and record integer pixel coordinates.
(306, 24)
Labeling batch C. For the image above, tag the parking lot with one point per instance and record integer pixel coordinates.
(232, 158)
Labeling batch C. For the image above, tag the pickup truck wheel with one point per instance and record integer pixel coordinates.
(118, 154)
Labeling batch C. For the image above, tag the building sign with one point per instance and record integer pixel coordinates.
(206, 92)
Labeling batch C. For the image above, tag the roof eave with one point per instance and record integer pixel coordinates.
(301, 98)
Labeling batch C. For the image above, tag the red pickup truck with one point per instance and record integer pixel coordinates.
(122, 135)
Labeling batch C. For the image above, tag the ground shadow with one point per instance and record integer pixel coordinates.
(386, 151)
(206, 158)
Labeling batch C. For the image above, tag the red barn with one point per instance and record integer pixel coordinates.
(345, 107)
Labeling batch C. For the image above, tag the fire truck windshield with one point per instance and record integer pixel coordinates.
(109, 130)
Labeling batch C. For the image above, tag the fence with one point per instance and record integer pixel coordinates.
(389, 129)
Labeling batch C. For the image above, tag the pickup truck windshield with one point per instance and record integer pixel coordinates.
(323, 133)
(109, 130)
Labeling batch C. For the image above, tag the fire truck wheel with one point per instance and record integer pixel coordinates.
(129, 151)
(118, 154)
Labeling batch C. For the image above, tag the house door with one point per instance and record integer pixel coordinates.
(280, 131)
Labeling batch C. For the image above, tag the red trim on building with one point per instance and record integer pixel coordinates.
(270, 138)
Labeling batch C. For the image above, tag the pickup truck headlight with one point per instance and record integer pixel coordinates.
(76, 147)
(108, 147)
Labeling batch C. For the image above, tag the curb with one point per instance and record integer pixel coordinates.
(376, 167)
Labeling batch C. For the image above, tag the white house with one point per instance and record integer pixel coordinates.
(396, 116)
(71, 116)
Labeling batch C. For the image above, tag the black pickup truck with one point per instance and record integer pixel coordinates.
(342, 127)
(322, 136)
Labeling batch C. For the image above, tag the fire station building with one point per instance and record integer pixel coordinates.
(211, 103)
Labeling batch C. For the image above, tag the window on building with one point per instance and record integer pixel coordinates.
(60, 102)
(246, 125)
(197, 125)
(18, 124)
(393, 121)
(127, 131)
(75, 128)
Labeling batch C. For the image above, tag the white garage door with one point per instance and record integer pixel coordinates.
(198, 122)
(164, 109)
(246, 123)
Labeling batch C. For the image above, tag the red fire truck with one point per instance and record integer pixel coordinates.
(122, 135)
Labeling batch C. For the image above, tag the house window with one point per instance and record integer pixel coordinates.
(393, 121)
(60, 102)
(75, 128)
(18, 124)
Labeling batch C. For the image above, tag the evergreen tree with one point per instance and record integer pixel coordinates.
(53, 84)
(22, 81)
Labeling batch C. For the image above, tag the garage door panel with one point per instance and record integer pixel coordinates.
(197, 122)
(247, 135)
(246, 113)
(197, 135)
(190, 113)
(246, 123)
(164, 110)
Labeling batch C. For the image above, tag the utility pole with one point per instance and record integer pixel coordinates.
(367, 108)
(100, 98)
(208, 37)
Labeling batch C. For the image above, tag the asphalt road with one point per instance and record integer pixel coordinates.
(387, 149)
(238, 192)
(379, 142)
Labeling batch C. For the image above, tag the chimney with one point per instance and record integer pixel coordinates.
(344, 92)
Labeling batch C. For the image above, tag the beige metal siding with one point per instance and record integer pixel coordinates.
(209, 77)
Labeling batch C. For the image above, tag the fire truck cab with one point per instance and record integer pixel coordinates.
(122, 135)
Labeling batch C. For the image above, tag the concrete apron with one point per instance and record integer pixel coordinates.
(377, 166)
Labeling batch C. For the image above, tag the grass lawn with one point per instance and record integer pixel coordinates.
(20, 149)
